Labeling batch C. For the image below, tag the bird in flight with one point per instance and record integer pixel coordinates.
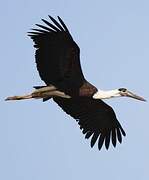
(58, 63)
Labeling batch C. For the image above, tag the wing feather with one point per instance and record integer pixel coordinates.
(101, 140)
(107, 140)
(56, 23)
(119, 136)
(51, 25)
(63, 24)
(94, 138)
(95, 118)
(114, 137)
(57, 56)
(44, 27)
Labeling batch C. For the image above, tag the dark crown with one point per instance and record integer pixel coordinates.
(122, 89)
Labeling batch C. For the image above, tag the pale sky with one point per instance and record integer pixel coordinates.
(38, 140)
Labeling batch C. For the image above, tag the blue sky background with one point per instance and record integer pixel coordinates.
(39, 141)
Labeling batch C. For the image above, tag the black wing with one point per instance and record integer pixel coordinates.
(57, 56)
(95, 118)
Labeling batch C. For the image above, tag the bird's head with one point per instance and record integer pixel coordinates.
(124, 92)
(121, 92)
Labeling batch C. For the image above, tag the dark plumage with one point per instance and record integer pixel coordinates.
(58, 57)
(58, 63)
(95, 119)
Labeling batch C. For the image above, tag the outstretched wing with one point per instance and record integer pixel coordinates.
(57, 56)
(96, 119)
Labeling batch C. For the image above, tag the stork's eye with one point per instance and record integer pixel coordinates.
(122, 89)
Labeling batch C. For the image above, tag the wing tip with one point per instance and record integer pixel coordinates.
(105, 139)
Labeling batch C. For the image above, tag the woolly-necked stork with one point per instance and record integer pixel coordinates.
(58, 63)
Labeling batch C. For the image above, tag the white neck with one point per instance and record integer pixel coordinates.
(106, 94)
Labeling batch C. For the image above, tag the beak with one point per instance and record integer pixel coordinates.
(132, 95)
